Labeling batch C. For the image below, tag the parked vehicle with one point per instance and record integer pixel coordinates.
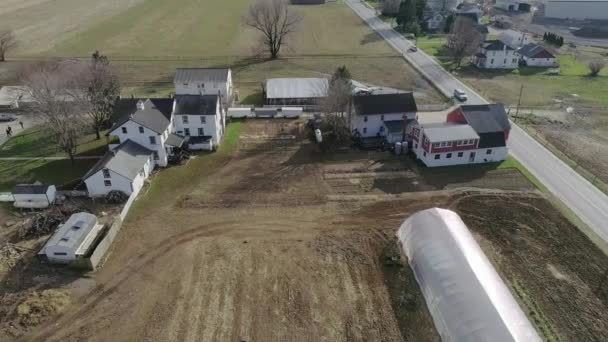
(413, 49)
(6, 117)
(460, 95)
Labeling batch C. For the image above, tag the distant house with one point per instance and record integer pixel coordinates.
(494, 54)
(148, 122)
(124, 168)
(513, 5)
(201, 119)
(382, 115)
(471, 134)
(73, 239)
(36, 196)
(469, 10)
(295, 91)
(535, 55)
(434, 21)
(514, 39)
(205, 81)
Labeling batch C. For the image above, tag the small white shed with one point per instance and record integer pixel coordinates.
(36, 195)
(73, 239)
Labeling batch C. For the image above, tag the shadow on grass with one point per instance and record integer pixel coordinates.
(371, 37)
(256, 98)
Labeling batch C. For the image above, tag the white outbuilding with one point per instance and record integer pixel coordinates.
(73, 239)
(465, 295)
(35, 196)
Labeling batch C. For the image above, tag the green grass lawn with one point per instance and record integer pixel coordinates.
(36, 142)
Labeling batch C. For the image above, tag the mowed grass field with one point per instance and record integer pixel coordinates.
(147, 39)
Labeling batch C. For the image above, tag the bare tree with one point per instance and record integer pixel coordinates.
(390, 7)
(595, 67)
(58, 90)
(274, 20)
(463, 40)
(7, 43)
(103, 89)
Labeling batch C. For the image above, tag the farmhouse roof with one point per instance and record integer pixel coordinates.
(185, 75)
(196, 104)
(296, 88)
(385, 103)
(486, 118)
(532, 50)
(492, 139)
(495, 45)
(127, 160)
(155, 115)
(76, 233)
(30, 189)
(444, 131)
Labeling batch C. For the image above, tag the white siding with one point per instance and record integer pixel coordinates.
(143, 139)
(30, 197)
(205, 88)
(540, 62)
(505, 59)
(96, 182)
(375, 123)
(214, 125)
(577, 9)
(496, 154)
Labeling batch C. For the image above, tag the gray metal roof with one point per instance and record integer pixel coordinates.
(185, 75)
(449, 132)
(486, 118)
(532, 50)
(30, 189)
(296, 88)
(175, 140)
(196, 104)
(155, 115)
(127, 160)
(74, 232)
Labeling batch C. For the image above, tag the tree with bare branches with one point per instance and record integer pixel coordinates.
(58, 90)
(336, 106)
(464, 39)
(274, 20)
(595, 67)
(8, 41)
(103, 89)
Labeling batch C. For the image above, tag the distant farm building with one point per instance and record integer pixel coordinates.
(35, 196)
(577, 9)
(295, 91)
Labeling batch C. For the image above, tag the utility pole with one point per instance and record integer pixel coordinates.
(521, 91)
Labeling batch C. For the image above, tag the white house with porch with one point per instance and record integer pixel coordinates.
(384, 115)
(494, 54)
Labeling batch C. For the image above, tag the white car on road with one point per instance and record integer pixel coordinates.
(460, 95)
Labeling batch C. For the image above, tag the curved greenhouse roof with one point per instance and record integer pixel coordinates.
(465, 295)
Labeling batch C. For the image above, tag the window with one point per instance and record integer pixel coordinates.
(185, 84)
(514, 60)
(185, 119)
(382, 117)
(365, 119)
(443, 143)
(505, 62)
(460, 154)
(60, 253)
(489, 151)
(201, 131)
(152, 140)
(381, 128)
(424, 154)
(471, 142)
(437, 156)
(141, 129)
(364, 130)
(203, 119)
(187, 131)
(492, 61)
(155, 154)
(203, 85)
(415, 145)
(106, 173)
(449, 155)
(435, 144)
(107, 182)
(124, 130)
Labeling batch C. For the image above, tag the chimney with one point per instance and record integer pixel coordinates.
(140, 105)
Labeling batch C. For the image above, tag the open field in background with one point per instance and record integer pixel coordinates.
(301, 249)
(147, 39)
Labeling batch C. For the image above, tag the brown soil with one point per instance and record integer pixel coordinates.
(267, 247)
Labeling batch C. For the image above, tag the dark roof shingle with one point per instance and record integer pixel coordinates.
(385, 103)
(486, 118)
(126, 160)
(156, 114)
(30, 189)
(495, 45)
(532, 50)
(196, 104)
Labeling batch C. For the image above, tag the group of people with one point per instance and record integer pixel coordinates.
(9, 129)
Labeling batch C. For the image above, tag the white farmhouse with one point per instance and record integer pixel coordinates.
(381, 114)
(494, 54)
(34, 195)
(514, 39)
(148, 123)
(204, 81)
(124, 168)
(201, 119)
(535, 55)
(73, 239)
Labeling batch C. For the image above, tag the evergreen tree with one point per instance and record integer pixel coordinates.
(407, 12)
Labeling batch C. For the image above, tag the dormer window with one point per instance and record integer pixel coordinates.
(140, 105)
(106, 173)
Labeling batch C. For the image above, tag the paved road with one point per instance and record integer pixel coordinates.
(584, 199)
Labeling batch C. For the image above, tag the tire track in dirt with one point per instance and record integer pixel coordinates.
(204, 292)
(185, 292)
